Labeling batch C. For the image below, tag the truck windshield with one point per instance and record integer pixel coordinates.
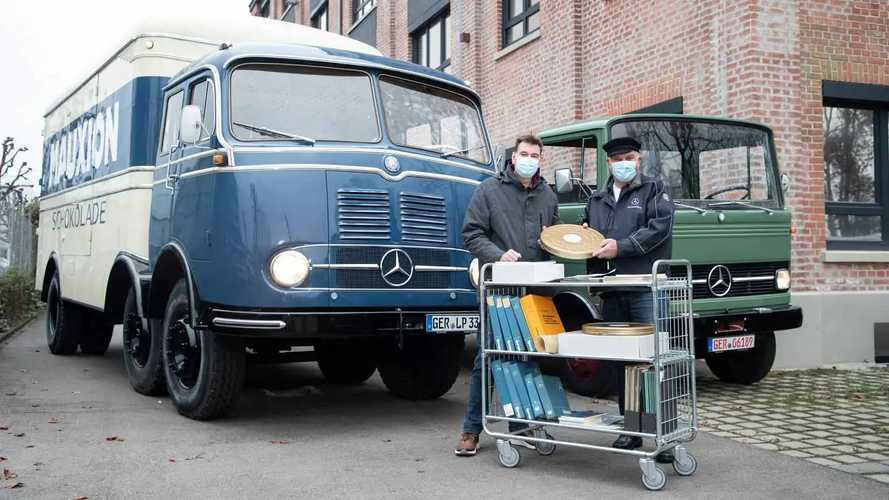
(302, 104)
(706, 163)
(425, 117)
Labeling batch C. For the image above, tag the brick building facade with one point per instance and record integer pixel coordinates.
(784, 63)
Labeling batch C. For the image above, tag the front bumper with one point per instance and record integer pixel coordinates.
(757, 320)
(314, 325)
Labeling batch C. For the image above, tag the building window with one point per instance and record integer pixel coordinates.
(432, 43)
(265, 8)
(360, 8)
(289, 13)
(520, 18)
(320, 20)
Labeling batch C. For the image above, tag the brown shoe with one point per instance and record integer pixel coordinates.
(467, 446)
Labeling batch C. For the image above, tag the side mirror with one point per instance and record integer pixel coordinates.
(563, 180)
(785, 182)
(190, 124)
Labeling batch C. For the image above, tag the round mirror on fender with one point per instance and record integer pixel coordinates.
(191, 124)
(785, 182)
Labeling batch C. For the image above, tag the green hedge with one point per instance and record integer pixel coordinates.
(18, 299)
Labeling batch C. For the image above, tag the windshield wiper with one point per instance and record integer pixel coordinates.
(741, 203)
(275, 133)
(683, 205)
(459, 151)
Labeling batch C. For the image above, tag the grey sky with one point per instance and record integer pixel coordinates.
(48, 47)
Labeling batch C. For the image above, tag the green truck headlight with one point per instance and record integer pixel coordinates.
(289, 268)
(473, 272)
(782, 279)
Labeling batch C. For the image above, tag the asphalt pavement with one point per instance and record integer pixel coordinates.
(74, 428)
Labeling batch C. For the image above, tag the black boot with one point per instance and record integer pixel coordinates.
(625, 442)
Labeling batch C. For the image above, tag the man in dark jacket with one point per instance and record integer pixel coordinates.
(503, 223)
(635, 214)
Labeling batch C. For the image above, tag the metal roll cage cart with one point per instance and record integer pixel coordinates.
(673, 361)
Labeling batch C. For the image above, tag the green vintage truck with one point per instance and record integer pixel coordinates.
(731, 223)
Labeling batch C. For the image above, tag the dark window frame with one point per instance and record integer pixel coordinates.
(522, 17)
(322, 10)
(875, 99)
(177, 91)
(361, 8)
(209, 103)
(417, 37)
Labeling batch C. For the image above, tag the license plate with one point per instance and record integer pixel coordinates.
(452, 322)
(719, 344)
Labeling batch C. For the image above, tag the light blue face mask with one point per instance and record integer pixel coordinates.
(526, 167)
(624, 171)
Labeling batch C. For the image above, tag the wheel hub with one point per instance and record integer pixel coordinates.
(136, 340)
(184, 356)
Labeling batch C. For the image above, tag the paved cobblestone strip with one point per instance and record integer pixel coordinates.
(835, 418)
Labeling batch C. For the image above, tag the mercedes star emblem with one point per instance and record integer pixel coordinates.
(396, 267)
(719, 281)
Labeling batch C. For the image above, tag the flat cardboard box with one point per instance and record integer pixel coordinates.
(527, 272)
(639, 347)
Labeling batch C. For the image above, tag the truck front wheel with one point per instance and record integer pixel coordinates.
(345, 362)
(204, 371)
(63, 321)
(425, 368)
(745, 367)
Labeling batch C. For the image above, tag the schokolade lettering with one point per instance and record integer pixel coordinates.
(82, 214)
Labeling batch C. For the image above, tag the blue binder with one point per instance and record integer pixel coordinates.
(512, 389)
(494, 332)
(548, 409)
(504, 324)
(520, 387)
(512, 322)
(528, 375)
(523, 324)
(558, 398)
(502, 388)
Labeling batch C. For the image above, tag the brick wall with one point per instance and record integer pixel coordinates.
(762, 60)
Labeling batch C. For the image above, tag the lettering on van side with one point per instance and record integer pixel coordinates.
(87, 144)
(79, 215)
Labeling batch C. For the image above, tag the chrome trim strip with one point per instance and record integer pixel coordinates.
(342, 149)
(250, 323)
(109, 193)
(195, 156)
(440, 268)
(336, 168)
(440, 290)
(698, 282)
(452, 249)
(745, 279)
(128, 170)
(362, 267)
(338, 313)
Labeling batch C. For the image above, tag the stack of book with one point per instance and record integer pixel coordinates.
(519, 325)
(524, 392)
(640, 399)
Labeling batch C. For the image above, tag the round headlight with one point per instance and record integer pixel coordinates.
(782, 279)
(473, 272)
(289, 268)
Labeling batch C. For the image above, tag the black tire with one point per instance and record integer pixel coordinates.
(142, 353)
(204, 375)
(745, 367)
(63, 321)
(425, 369)
(97, 332)
(347, 362)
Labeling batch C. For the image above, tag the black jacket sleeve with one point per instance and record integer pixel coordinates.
(659, 209)
(555, 220)
(477, 229)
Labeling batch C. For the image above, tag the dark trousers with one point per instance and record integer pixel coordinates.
(633, 307)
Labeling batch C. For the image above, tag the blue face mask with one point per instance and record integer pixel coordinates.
(526, 167)
(623, 171)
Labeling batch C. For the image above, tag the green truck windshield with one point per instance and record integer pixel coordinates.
(707, 163)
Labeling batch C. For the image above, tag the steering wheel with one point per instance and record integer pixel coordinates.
(729, 189)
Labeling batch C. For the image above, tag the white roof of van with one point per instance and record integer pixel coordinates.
(210, 29)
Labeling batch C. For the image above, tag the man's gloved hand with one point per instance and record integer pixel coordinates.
(510, 256)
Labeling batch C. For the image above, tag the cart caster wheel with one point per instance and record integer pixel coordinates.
(653, 477)
(685, 466)
(544, 449)
(509, 456)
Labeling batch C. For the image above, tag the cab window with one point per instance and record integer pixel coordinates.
(202, 95)
(171, 123)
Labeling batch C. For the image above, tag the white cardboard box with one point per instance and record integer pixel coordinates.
(527, 272)
(578, 343)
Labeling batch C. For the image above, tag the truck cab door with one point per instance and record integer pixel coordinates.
(166, 176)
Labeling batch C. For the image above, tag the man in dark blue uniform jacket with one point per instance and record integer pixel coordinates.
(635, 214)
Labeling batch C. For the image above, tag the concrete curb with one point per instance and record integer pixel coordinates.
(4, 336)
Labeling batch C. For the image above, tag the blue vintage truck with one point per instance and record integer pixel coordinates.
(225, 201)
